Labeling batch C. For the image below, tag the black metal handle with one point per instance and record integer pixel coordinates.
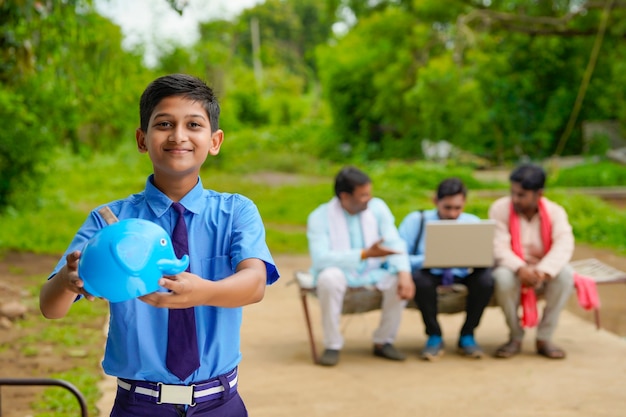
(46, 381)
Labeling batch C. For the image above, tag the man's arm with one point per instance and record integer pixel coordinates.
(409, 230)
(398, 259)
(562, 248)
(502, 251)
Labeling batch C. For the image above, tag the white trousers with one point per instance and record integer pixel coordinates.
(331, 288)
(507, 293)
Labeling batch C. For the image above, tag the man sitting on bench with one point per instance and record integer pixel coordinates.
(449, 202)
(353, 242)
(533, 245)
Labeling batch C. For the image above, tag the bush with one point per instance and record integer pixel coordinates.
(593, 174)
(24, 148)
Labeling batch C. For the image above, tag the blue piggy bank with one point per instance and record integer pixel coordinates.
(126, 259)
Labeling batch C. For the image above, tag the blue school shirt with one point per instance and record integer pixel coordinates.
(409, 229)
(224, 229)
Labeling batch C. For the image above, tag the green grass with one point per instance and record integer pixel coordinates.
(76, 339)
(58, 401)
(75, 185)
(592, 174)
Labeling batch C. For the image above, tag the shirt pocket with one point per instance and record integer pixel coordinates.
(217, 268)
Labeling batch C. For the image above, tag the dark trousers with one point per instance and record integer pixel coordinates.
(128, 404)
(480, 289)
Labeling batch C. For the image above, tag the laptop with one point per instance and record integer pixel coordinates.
(450, 244)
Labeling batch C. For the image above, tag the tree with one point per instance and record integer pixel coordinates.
(64, 81)
(498, 78)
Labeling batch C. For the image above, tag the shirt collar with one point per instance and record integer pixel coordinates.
(160, 203)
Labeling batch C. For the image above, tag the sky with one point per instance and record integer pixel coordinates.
(140, 19)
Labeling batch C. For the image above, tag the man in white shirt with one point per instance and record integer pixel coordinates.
(353, 242)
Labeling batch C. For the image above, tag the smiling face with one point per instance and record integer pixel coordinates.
(178, 140)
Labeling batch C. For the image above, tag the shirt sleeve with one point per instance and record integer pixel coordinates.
(90, 226)
(391, 237)
(248, 239)
(408, 230)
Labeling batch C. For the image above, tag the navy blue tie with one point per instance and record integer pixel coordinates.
(182, 356)
(447, 277)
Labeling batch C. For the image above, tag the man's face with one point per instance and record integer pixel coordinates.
(357, 201)
(450, 207)
(524, 201)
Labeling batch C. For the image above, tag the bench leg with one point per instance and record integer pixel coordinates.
(596, 314)
(307, 317)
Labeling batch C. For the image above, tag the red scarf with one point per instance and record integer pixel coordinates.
(585, 287)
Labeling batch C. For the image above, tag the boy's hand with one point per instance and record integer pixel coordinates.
(181, 288)
(72, 280)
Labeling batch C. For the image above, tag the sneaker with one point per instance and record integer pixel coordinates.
(388, 351)
(468, 347)
(433, 349)
(330, 357)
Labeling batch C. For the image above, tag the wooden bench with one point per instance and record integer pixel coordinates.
(450, 300)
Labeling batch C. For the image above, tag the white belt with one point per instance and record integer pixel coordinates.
(179, 394)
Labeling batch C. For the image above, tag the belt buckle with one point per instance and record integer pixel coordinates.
(176, 394)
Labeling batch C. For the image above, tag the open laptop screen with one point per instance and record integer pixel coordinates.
(450, 244)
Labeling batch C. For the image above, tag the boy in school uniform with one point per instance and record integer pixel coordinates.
(230, 266)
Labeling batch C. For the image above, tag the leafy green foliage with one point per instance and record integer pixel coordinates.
(66, 82)
(498, 79)
(25, 143)
(592, 174)
(595, 221)
(364, 77)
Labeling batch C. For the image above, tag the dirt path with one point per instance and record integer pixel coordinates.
(278, 378)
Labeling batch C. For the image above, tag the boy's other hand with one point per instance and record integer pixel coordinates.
(73, 282)
(180, 286)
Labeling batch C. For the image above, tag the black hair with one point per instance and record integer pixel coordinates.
(182, 85)
(348, 179)
(450, 187)
(529, 176)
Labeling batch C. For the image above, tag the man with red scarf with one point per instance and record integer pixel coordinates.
(533, 245)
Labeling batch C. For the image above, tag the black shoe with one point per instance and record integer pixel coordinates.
(388, 351)
(330, 357)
